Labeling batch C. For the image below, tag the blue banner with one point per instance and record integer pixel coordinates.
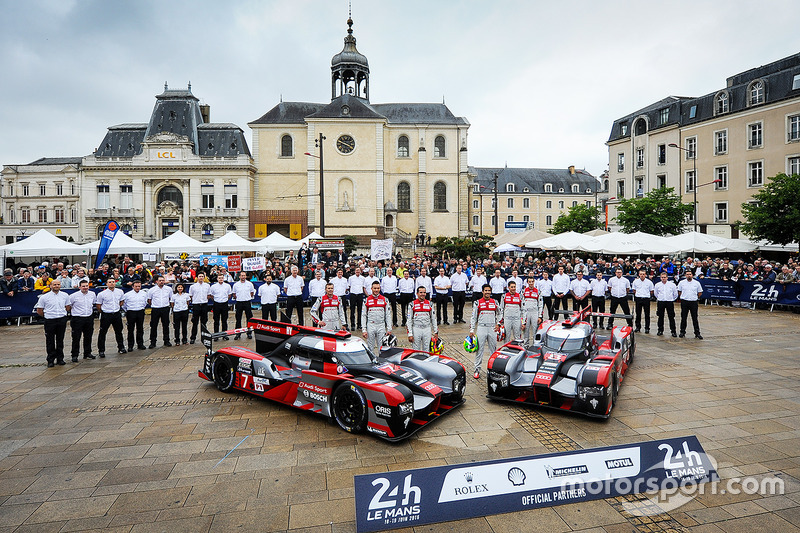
(109, 232)
(409, 498)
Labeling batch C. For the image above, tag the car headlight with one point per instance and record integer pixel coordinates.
(500, 378)
(584, 392)
(458, 383)
(405, 408)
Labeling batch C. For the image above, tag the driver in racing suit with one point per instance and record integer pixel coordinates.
(421, 322)
(511, 310)
(328, 311)
(485, 319)
(377, 317)
(533, 308)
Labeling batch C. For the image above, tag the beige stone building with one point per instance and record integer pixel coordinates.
(536, 196)
(740, 135)
(387, 170)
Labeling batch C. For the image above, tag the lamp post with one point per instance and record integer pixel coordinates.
(318, 144)
(496, 218)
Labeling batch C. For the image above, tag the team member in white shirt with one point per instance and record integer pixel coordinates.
(545, 287)
(134, 302)
(599, 289)
(579, 289)
(160, 297)
(406, 287)
(179, 301)
(561, 283)
(458, 285)
(533, 311)
(389, 284)
(371, 277)
(666, 293)
(642, 292)
(476, 283)
(340, 287)
(690, 291)
(498, 285)
(82, 320)
(293, 287)
(441, 284)
(108, 302)
(356, 283)
(316, 287)
(54, 306)
(269, 292)
(220, 293)
(423, 280)
(517, 280)
(619, 288)
(199, 292)
(243, 292)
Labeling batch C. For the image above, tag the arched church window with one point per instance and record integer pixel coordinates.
(440, 196)
(170, 194)
(438, 146)
(287, 149)
(403, 196)
(402, 146)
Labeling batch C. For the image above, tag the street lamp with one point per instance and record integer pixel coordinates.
(496, 218)
(318, 144)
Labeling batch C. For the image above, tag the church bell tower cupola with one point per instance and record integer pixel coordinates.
(350, 69)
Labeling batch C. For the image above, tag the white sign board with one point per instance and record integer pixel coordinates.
(250, 264)
(381, 249)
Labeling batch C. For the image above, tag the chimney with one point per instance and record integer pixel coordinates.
(205, 111)
(572, 170)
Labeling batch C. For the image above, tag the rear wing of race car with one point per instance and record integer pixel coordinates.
(207, 338)
(270, 334)
(583, 314)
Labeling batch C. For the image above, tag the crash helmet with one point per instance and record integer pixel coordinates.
(389, 341)
(501, 333)
(470, 346)
(436, 346)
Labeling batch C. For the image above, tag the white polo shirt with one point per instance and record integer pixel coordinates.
(180, 301)
(477, 282)
(220, 292)
(459, 282)
(424, 281)
(406, 285)
(54, 304)
(82, 304)
(243, 291)
(293, 285)
(666, 292)
(498, 284)
(134, 301)
(389, 284)
(579, 286)
(443, 282)
(269, 292)
(356, 283)
(689, 290)
(340, 285)
(316, 287)
(109, 300)
(368, 284)
(159, 296)
(619, 287)
(545, 287)
(642, 287)
(561, 283)
(599, 287)
(199, 292)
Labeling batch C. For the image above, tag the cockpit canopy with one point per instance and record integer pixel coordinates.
(561, 339)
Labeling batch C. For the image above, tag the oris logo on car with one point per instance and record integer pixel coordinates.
(383, 411)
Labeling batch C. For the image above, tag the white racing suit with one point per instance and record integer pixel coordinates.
(532, 312)
(377, 319)
(330, 310)
(485, 316)
(511, 309)
(422, 324)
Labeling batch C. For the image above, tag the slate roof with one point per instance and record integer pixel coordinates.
(354, 107)
(534, 179)
(56, 161)
(652, 113)
(418, 114)
(288, 113)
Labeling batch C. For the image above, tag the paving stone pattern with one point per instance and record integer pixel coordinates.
(138, 443)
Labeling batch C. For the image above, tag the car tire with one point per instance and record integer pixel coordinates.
(631, 352)
(222, 370)
(614, 391)
(350, 408)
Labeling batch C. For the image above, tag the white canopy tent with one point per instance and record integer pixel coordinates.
(569, 240)
(596, 232)
(43, 244)
(520, 238)
(310, 237)
(232, 242)
(507, 247)
(627, 244)
(695, 242)
(767, 246)
(122, 244)
(275, 242)
(179, 242)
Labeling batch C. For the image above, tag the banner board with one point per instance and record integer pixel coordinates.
(234, 263)
(389, 500)
(252, 264)
(109, 232)
(381, 249)
(326, 244)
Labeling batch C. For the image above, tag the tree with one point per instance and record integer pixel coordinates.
(659, 212)
(775, 214)
(457, 248)
(580, 218)
(350, 243)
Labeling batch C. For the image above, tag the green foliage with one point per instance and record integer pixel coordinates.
(776, 214)
(659, 212)
(580, 218)
(457, 248)
(350, 244)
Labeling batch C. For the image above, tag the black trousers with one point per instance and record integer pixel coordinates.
(180, 322)
(159, 314)
(392, 297)
(356, 301)
(686, 308)
(108, 320)
(243, 308)
(54, 330)
(547, 301)
(669, 308)
(577, 305)
(345, 299)
(135, 321)
(498, 296)
(598, 306)
(623, 303)
(441, 307)
(82, 326)
(405, 299)
(459, 298)
(296, 302)
(269, 311)
(199, 314)
(220, 316)
(642, 308)
(560, 302)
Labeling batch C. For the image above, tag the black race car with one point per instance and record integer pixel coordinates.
(391, 394)
(567, 368)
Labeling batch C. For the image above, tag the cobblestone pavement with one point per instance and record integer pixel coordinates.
(137, 442)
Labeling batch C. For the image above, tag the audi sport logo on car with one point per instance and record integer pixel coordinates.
(383, 410)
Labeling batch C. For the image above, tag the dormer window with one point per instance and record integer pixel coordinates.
(575, 188)
(755, 93)
(721, 103)
(509, 187)
(548, 187)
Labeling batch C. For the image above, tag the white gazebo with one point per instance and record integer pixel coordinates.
(275, 242)
(637, 243)
(695, 242)
(179, 242)
(122, 244)
(569, 240)
(233, 242)
(43, 244)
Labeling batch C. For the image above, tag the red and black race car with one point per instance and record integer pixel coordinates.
(567, 367)
(391, 394)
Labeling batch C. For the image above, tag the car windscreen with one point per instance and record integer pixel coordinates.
(358, 357)
(565, 340)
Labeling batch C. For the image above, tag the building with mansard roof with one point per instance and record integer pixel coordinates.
(384, 170)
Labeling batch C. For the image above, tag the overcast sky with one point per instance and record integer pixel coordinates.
(540, 82)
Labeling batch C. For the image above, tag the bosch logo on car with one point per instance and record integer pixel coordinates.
(314, 396)
(383, 411)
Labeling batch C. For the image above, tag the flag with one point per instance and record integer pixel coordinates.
(109, 233)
